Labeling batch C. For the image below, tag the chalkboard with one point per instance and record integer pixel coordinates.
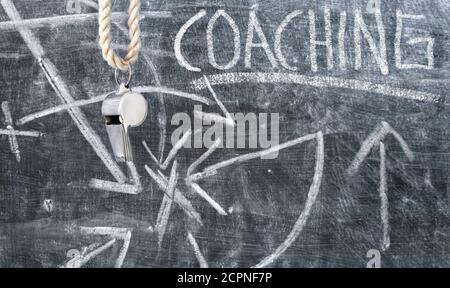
(354, 94)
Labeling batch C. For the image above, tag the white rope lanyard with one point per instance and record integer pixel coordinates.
(104, 21)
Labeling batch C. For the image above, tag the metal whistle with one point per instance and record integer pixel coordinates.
(122, 110)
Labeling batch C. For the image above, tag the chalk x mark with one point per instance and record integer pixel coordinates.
(166, 205)
(12, 133)
(178, 197)
(62, 91)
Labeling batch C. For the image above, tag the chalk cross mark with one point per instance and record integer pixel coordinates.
(12, 133)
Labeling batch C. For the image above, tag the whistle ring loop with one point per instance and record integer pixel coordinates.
(116, 76)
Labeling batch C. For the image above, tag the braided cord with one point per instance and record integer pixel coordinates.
(104, 21)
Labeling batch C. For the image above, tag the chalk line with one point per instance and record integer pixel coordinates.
(96, 99)
(62, 91)
(21, 133)
(211, 170)
(115, 232)
(303, 218)
(173, 152)
(197, 189)
(80, 260)
(150, 153)
(166, 206)
(134, 188)
(173, 92)
(111, 186)
(135, 177)
(73, 19)
(380, 132)
(13, 144)
(230, 120)
(198, 253)
(57, 109)
(178, 197)
(212, 117)
(384, 207)
(123, 251)
(162, 115)
(316, 81)
(204, 156)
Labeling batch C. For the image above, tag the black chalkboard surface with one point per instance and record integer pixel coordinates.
(354, 93)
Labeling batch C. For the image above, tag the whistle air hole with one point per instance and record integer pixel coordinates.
(112, 120)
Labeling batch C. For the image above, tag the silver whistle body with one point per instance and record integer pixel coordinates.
(122, 110)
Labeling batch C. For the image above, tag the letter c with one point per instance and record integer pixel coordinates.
(177, 46)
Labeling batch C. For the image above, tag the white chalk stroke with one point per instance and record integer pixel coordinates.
(376, 139)
(149, 151)
(178, 197)
(166, 205)
(198, 254)
(303, 218)
(12, 133)
(316, 81)
(134, 188)
(228, 120)
(203, 157)
(312, 194)
(212, 170)
(197, 189)
(117, 234)
(100, 98)
(378, 135)
(173, 152)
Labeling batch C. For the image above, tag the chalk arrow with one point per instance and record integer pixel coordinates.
(116, 234)
(210, 117)
(375, 139)
(134, 188)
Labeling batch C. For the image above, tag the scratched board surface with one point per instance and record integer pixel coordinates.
(360, 178)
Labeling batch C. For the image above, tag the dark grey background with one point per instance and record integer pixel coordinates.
(267, 195)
